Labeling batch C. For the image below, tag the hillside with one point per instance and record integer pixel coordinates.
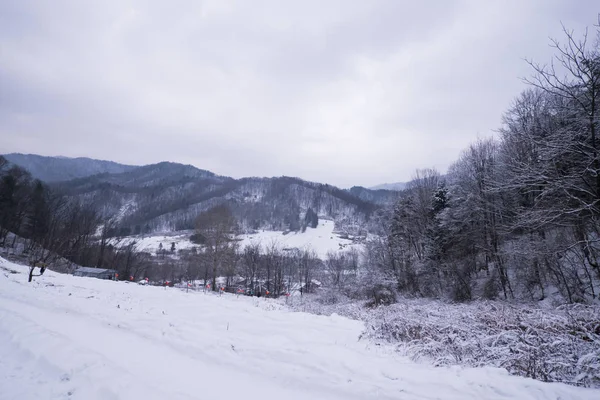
(396, 186)
(66, 337)
(168, 196)
(55, 169)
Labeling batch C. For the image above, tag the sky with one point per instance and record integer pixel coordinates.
(337, 91)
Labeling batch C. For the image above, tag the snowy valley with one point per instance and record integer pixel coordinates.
(300, 200)
(480, 281)
(291, 288)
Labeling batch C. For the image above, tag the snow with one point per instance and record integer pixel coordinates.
(84, 338)
(152, 243)
(127, 208)
(321, 239)
(557, 344)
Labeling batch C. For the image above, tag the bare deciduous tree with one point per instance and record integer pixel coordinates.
(217, 227)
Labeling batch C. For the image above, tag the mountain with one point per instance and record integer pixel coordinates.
(169, 196)
(397, 186)
(380, 197)
(55, 169)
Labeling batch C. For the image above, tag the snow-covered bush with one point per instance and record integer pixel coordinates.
(323, 303)
(330, 297)
(561, 345)
(554, 345)
(382, 295)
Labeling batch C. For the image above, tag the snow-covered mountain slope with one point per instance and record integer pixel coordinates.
(64, 337)
(169, 196)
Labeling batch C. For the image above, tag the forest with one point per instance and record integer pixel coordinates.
(517, 215)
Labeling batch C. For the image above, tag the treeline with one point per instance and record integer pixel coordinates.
(517, 216)
(51, 225)
(261, 268)
(47, 229)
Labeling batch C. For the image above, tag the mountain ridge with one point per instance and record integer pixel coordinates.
(396, 186)
(60, 168)
(168, 196)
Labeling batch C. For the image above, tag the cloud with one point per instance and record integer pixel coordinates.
(337, 91)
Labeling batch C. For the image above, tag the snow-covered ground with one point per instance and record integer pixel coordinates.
(321, 239)
(152, 243)
(64, 337)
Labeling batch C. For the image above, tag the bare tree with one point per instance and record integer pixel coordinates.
(217, 227)
(251, 258)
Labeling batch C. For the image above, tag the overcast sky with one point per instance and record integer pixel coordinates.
(344, 92)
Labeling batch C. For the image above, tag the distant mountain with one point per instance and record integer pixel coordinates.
(55, 169)
(169, 196)
(377, 196)
(397, 186)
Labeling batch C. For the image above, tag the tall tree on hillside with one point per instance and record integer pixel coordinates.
(308, 264)
(473, 220)
(311, 219)
(69, 228)
(36, 225)
(15, 191)
(217, 227)
(251, 258)
(105, 239)
(569, 152)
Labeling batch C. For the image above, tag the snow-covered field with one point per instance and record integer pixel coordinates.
(321, 239)
(152, 243)
(64, 337)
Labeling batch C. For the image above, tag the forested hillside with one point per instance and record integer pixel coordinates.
(517, 216)
(55, 169)
(169, 196)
